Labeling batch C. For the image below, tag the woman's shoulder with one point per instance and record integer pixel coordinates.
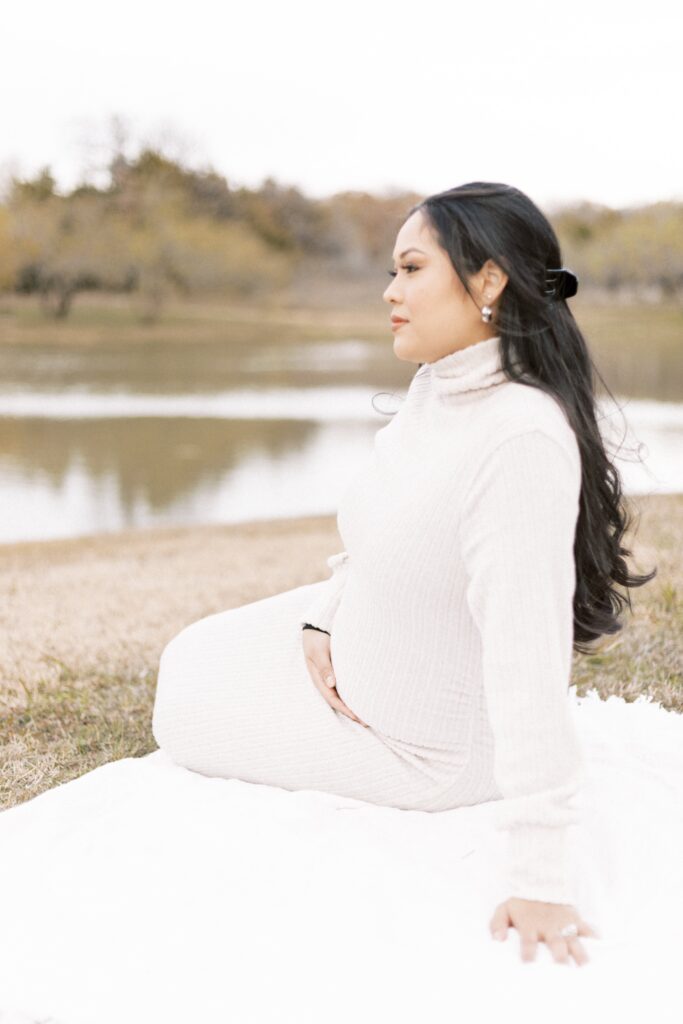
(526, 445)
(519, 408)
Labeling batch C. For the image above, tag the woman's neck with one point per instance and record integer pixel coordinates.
(468, 369)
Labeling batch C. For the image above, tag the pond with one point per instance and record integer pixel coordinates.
(108, 437)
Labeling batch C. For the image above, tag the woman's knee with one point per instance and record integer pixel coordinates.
(172, 693)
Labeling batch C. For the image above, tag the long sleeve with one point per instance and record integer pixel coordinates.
(322, 609)
(518, 533)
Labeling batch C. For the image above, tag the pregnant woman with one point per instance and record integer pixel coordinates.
(482, 544)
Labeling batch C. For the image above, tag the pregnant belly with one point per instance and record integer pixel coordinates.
(382, 676)
(353, 669)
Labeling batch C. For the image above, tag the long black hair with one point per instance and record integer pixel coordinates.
(482, 220)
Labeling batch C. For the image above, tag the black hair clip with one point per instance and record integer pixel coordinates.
(561, 283)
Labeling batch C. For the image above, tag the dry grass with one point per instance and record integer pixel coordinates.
(646, 657)
(100, 319)
(319, 310)
(87, 619)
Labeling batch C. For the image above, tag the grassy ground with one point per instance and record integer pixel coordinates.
(88, 617)
(98, 318)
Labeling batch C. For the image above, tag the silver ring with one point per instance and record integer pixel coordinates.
(569, 931)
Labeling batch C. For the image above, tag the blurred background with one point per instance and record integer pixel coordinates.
(198, 206)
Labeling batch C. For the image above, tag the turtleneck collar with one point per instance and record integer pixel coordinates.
(468, 369)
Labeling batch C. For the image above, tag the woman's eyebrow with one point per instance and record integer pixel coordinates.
(411, 249)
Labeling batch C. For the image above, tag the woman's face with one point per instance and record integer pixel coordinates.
(426, 291)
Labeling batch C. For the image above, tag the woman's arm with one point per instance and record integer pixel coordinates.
(518, 545)
(321, 611)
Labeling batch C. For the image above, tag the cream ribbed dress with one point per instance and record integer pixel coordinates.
(450, 613)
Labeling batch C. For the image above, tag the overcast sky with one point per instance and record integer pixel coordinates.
(566, 101)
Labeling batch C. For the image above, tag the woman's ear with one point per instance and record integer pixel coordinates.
(491, 279)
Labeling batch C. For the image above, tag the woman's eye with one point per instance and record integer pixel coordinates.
(407, 266)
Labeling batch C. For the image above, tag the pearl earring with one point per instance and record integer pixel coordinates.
(486, 312)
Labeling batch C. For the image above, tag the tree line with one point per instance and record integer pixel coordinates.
(157, 227)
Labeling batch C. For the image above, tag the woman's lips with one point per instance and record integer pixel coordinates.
(395, 324)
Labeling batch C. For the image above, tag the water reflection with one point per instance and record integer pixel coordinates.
(313, 403)
(198, 367)
(109, 439)
(69, 477)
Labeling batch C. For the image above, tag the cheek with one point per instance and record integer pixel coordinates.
(449, 302)
(422, 296)
(435, 301)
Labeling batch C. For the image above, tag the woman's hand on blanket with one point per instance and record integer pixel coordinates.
(317, 651)
(536, 920)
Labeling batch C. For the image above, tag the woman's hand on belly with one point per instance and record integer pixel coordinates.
(319, 663)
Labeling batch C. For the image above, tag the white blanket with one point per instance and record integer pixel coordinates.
(143, 893)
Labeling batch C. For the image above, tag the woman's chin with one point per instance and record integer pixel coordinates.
(403, 350)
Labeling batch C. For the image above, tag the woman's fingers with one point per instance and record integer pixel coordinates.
(576, 948)
(563, 948)
(528, 944)
(329, 692)
(536, 922)
(317, 647)
(577, 951)
(324, 665)
(558, 947)
(337, 703)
